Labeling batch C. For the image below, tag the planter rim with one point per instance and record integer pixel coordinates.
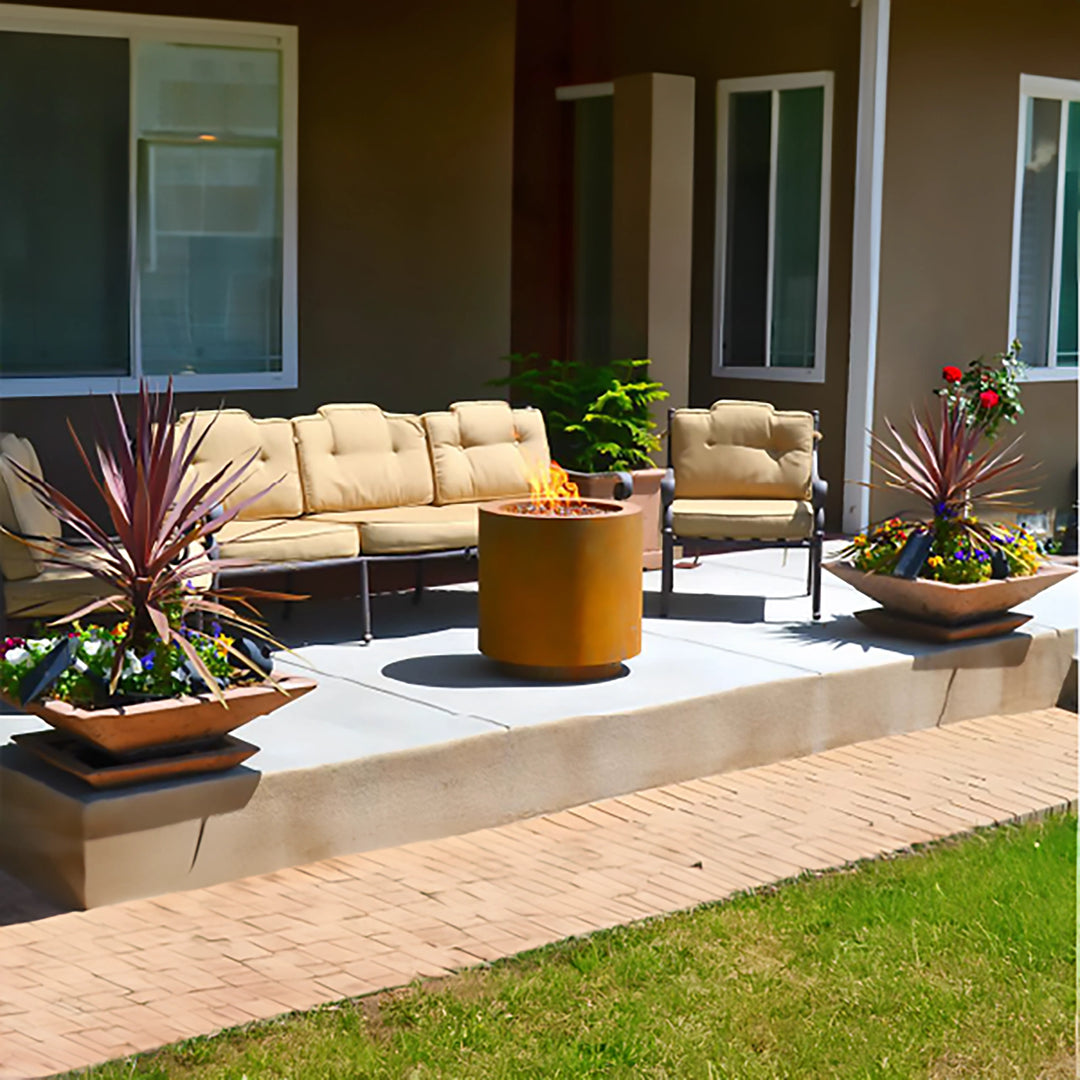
(1045, 569)
(290, 685)
(614, 472)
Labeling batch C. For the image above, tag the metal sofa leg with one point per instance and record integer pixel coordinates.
(810, 568)
(365, 602)
(418, 587)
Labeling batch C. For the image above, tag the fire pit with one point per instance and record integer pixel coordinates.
(560, 583)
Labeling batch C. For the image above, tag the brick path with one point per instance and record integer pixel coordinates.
(82, 987)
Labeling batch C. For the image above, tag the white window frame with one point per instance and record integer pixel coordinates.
(1065, 91)
(724, 89)
(188, 31)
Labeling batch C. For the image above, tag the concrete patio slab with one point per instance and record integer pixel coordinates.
(418, 736)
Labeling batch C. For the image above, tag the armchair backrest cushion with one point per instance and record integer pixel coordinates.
(357, 457)
(21, 512)
(742, 450)
(485, 450)
(233, 437)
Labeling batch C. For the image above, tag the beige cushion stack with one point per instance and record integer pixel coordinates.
(742, 472)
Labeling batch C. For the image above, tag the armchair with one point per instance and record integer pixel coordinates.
(744, 472)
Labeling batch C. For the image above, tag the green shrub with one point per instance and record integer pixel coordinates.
(597, 415)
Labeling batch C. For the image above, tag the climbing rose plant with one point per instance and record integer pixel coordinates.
(988, 393)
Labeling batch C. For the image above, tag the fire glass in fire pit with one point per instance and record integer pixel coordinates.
(560, 582)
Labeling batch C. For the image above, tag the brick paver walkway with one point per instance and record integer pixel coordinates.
(82, 987)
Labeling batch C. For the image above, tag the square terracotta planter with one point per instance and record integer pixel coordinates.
(944, 604)
(646, 496)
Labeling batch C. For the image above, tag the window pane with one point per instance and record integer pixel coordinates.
(1037, 229)
(1070, 248)
(64, 263)
(798, 223)
(746, 258)
(210, 210)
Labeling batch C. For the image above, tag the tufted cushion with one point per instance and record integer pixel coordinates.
(742, 450)
(287, 540)
(231, 440)
(356, 457)
(742, 519)
(485, 450)
(21, 511)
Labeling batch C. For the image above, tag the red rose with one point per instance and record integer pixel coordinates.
(988, 399)
(951, 374)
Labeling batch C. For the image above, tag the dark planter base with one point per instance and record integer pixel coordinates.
(895, 625)
(100, 769)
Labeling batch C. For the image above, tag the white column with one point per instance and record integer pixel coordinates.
(866, 261)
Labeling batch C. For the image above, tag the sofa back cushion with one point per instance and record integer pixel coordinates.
(233, 437)
(485, 450)
(742, 450)
(356, 457)
(21, 512)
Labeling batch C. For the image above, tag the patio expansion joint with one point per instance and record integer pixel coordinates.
(798, 668)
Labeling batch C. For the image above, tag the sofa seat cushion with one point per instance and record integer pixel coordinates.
(56, 591)
(742, 450)
(482, 450)
(743, 519)
(410, 529)
(287, 540)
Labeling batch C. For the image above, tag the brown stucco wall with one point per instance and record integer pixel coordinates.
(405, 137)
(564, 42)
(950, 161)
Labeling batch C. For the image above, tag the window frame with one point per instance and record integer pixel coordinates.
(1065, 91)
(137, 28)
(774, 83)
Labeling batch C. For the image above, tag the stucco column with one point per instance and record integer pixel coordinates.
(652, 225)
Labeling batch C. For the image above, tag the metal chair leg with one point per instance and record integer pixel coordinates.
(667, 573)
(810, 568)
(815, 563)
(418, 587)
(365, 602)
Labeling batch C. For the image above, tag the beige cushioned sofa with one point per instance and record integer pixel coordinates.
(743, 471)
(355, 484)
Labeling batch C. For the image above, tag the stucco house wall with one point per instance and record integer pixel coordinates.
(947, 214)
(405, 134)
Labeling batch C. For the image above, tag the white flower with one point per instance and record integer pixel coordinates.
(16, 655)
(40, 644)
(131, 664)
(92, 648)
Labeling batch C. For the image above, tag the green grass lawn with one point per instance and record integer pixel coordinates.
(955, 962)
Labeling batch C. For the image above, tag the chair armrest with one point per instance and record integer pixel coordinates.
(667, 497)
(624, 486)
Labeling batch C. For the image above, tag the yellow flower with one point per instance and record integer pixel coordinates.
(222, 644)
(859, 540)
(935, 561)
(121, 628)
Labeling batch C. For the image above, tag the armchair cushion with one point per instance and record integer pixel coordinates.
(20, 511)
(234, 437)
(742, 519)
(407, 530)
(54, 592)
(287, 540)
(356, 457)
(485, 450)
(742, 450)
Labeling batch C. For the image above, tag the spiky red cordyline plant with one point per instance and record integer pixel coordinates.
(159, 513)
(941, 465)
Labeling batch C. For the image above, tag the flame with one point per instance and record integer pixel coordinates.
(553, 492)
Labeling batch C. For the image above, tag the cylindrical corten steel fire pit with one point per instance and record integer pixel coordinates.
(560, 588)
